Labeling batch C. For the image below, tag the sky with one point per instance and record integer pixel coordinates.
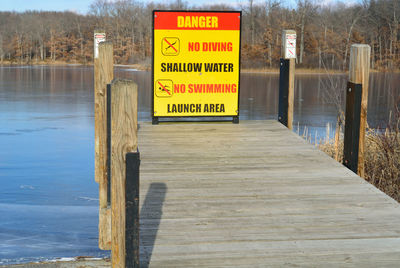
(79, 6)
(82, 6)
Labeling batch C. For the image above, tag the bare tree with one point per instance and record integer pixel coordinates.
(325, 33)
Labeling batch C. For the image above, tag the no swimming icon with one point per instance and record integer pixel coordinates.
(164, 88)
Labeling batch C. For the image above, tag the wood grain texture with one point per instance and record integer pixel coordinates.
(256, 195)
(103, 75)
(123, 140)
(105, 228)
(359, 74)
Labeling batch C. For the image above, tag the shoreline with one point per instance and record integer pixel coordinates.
(75, 262)
(143, 67)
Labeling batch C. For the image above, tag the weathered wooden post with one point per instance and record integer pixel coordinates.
(286, 78)
(98, 101)
(356, 108)
(124, 142)
(103, 74)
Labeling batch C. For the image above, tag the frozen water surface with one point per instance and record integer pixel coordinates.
(48, 196)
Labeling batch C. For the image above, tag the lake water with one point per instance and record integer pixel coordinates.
(48, 197)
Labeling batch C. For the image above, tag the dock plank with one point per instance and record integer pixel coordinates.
(255, 194)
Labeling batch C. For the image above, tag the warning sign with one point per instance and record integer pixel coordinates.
(290, 44)
(98, 37)
(196, 63)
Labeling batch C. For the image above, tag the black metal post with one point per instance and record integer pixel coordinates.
(132, 210)
(283, 91)
(108, 160)
(352, 126)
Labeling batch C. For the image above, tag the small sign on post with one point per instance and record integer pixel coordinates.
(286, 78)
(289, 43)
(98, 37)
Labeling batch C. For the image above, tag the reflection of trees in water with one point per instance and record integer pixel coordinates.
(259, 95)
(383, 96)
(386, 100)
(383, 102)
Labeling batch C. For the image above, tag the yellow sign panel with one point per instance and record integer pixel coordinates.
(196, 63)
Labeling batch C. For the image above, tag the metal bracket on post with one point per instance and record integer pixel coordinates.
(154, 121)
(352, 126)
(283, 92)
(108, 162)
(132, 209)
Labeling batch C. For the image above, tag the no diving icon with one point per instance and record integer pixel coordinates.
(170, 46)
(164, 88)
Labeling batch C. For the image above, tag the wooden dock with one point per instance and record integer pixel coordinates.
(256, 195)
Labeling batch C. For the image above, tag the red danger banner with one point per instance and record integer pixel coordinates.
(196, 21)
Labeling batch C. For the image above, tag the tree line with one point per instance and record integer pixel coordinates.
(324, 32)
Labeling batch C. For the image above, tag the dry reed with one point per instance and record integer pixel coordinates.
(382, 157)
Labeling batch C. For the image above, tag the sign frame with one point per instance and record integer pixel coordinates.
(235, 118)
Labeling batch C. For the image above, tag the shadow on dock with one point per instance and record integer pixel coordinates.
(150, 215)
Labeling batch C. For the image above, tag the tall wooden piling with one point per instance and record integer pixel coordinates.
(291, 94)
(123, 141)
(359, 75)
(103, 75)
(99, 105)
(286, 78)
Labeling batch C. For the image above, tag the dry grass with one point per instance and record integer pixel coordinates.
(382, 158)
